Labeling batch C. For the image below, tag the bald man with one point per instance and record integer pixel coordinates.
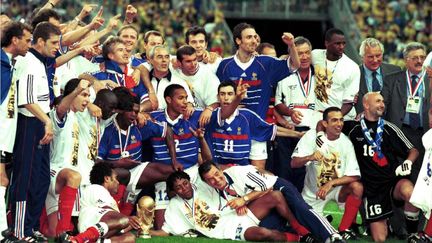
(377, 145)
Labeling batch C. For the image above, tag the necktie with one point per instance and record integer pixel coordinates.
(376, 87)
(414, 118)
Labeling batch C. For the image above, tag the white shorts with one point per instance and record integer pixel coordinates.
(258, 150)
(422, 194)
(319, 204)
(51, 201)
(131, 188)
(7, 131)
(234, 226)
(90, 216)
(161, 193)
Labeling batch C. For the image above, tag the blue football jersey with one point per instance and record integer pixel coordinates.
(231, 141)
(109, 146)
(186, 144)
(262, 74)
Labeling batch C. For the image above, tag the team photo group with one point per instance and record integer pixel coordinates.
(111, 132)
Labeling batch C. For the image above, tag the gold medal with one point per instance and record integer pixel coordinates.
(306, 102)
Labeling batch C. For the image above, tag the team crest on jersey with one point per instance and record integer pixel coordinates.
(133, 139)
(254, 76)
(204, 218)
(229, 129)
(238, 130)
(181, 131)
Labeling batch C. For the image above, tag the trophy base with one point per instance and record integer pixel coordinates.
(144, 236)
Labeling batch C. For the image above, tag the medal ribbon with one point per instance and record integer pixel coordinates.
(378, 157)
(416, 88)
(122, 149)
(305, 87)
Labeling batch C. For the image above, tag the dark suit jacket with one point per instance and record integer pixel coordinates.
(395, 98)
(386, 69)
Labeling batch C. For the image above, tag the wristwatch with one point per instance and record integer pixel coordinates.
(246, 199)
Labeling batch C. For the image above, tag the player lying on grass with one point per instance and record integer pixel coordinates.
(200, 207)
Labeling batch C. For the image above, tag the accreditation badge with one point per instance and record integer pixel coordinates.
(413, 104)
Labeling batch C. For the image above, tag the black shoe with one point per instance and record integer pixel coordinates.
(36, 237)
(309, 238)
(63, 238)
(11, 238)
(419, 238)
(348, 234)
(335, 238)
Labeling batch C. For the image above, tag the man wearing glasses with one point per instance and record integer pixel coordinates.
(407, 99)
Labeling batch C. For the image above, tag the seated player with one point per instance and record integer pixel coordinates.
(378, 146)
(68, 163)
(100, 217)
(332, 172)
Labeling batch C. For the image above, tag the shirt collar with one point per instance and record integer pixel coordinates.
(168, 76)
(38, 55)
(369, 72)
(113, 66)
(172, 122)
(230, 181)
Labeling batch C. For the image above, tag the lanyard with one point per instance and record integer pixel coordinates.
(191, 208)
(122, 149)
(416, 88)
(305, 88)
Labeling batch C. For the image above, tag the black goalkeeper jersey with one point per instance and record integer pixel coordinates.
(394, 145)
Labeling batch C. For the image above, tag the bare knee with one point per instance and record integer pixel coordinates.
(379, 237)
(129, 238)
(356, 188)
(277, 197)
(259, 234)
(406, 191)
(4, 181)
(73, 178)
(123, 222)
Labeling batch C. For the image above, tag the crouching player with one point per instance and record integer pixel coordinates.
(99, 216)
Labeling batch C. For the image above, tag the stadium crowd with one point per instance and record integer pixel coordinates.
(95, 115)
(394, 23)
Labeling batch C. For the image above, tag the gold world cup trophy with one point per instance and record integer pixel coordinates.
(145, 213)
